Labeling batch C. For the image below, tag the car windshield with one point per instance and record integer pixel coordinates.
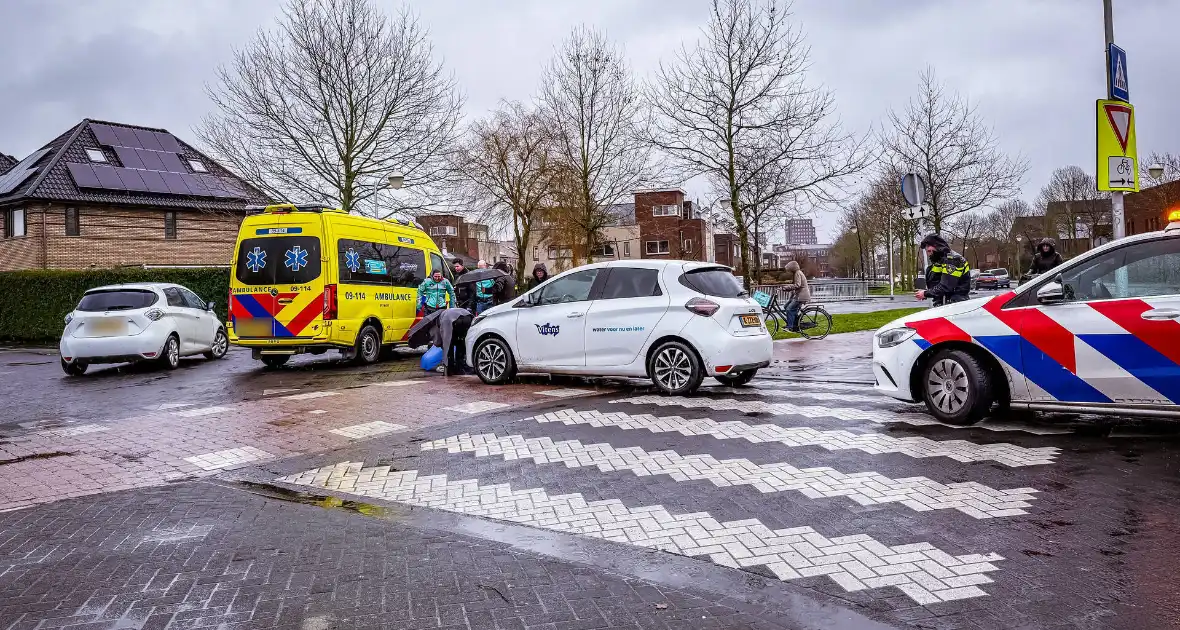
(714, 281)
(117, 300)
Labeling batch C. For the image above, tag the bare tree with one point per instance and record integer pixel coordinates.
(738, 108)
(1073, 207)
(966, 227)
(593, 109)
(507, 164)
(331, 102)
(941, 136)
(1000, 225)
(1171, 164)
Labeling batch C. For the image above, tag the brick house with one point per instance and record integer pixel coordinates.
(469, 242)
(669, 227)
(109, 194)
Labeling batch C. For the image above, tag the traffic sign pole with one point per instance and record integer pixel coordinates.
(1118, 225)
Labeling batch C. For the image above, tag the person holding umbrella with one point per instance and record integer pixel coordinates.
(435, 293)
(484, 290)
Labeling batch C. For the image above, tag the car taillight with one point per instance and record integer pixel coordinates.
(330, 302)
(702, 307)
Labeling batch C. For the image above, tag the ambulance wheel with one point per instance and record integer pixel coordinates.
(957, 389)
(368, 346)
(275, 360)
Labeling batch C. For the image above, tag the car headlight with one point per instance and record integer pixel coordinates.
(478, 318)
(155, 314)
(69, 318)
(894, 336)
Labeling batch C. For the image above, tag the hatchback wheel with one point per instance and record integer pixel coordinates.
(736, 380)
(675, 369)
(220, 346)
(493, 361)
(956, 388)
(170, 357)
(76, 368)
(368, 346)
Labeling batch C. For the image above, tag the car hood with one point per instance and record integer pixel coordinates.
(958, 308)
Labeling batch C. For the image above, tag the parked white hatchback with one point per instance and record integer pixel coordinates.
(674, 322)
(140, 322)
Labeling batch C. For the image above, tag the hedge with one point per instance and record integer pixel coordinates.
(33, 304)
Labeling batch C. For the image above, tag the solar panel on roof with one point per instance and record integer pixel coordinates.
(169, 142)
(105, 134)
(107, 179)
(175, 183)
(126, 137)
(196, 187)
(172, 162)
(131, 179)
(154, 182)
(148, 140)
(21, 172)
(129, 157)
(83, 175)
(151, 160)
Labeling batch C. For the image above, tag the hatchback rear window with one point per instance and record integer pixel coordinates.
(278, 260)
(120, 300)
(714, 281)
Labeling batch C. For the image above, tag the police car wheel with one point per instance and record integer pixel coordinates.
(675, 369)
(956, 388)
(493, 361)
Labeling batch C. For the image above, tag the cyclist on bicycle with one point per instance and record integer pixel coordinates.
(800, 295)
(1047, 257)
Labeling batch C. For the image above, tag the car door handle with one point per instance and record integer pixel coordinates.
(1161, 313)
(575, 315)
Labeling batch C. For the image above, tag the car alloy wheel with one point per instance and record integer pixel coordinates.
(948, 386)
(673, 368)
(220, 346)
(491, 361)
(171, 354)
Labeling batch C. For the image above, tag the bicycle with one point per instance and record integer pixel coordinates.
(814, 321)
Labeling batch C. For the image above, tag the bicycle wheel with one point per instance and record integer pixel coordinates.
(776, 321)
(814, 322)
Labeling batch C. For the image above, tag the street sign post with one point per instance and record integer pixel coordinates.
(913, 188)
(1117, 155)
(1116, 74)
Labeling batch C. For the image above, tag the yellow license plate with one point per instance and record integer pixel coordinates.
(254, 327)
(751, 321)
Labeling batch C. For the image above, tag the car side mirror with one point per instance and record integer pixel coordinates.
(1051, 293)
(524, 302)
(210, 306)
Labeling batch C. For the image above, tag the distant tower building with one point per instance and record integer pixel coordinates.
(801, 232)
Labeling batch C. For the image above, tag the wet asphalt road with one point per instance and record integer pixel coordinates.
(34, 388)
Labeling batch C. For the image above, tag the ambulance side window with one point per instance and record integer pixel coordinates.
(361, 262)
(407, 266)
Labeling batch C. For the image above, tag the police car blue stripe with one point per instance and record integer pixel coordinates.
(1041, 369)
(1140, 360)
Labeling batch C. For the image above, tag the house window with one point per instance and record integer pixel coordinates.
(170, 225)
(671, 210)
(14, 223)
(73, 224)
(96, 155)
(626, 249)
(555, 253)
(657, 247)
(688, 245)
(444, 230)
(536, 252)
(605, 250)
(198, 166)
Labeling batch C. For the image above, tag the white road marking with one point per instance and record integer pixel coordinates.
(565, 393)
(866, 488)
(197, 413)
(837, 440)
(398, 383)
(803, 393)
(368, 429)
(228, 458)
(476, 407)
(813, 385)
(281, 390)
(878, 416)
(168, 406)
(310, 395)
(81, 429)
(316, 412)
(923, 572)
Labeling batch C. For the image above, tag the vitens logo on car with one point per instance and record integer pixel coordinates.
(547, 329)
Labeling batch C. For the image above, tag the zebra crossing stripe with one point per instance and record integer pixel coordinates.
(816, 385)
(866, 488)
(923, 572)
(837, 440)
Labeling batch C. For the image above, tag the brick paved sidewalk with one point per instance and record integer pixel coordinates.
(196, 554)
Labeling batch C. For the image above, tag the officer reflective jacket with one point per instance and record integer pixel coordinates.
(948, 279)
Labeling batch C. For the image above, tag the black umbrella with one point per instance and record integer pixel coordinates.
(477, 275)
(422, 333)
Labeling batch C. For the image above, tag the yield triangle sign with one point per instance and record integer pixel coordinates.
(1120, 122)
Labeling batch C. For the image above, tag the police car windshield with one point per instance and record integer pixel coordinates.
(278, 260)
(117, 300)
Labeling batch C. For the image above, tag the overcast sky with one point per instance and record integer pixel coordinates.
(1034, 67)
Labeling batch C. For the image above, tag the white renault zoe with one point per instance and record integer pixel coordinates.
(673, 321)
(140, 322)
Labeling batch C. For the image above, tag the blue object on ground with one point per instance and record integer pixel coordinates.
(432, 358)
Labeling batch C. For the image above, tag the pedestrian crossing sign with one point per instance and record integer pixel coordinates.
(1117, 154)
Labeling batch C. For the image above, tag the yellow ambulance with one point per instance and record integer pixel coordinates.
(313, 279)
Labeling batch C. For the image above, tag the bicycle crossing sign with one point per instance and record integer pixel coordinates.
(1117, 155)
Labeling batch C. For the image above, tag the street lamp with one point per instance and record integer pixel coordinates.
(1156, 171)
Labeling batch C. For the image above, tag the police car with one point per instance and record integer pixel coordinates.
(1099, 334)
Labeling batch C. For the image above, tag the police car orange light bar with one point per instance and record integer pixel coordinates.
(1174, 216)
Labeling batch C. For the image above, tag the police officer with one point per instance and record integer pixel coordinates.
(948, 277)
